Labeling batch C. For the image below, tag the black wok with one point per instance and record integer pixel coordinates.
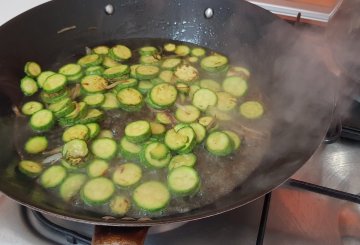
(237, 28)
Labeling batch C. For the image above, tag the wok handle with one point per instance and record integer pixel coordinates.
(112, 235)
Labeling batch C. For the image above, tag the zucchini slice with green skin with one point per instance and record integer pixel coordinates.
(236, 141)
(235, 86)
(214, 63)
(151, 196)
(120, 205)
(191, 139)
(166, 76)
(30, 168)
(182, 87)
(169, 47)
(130, 99)
(104, 148)
(206, 121)
(219, 144)
(94, 70)
(186, 73)
(182, 50)
(111, 102)
(66, 110)
(105, 133)
(32, 69)
(53, 97)
(127, 83)
(138, 131)
(31, 107)
(193, 89)
(116, 71)
(53, 176)
(219, 115)
(210, 84)
(188, 159)
(42, 121)
(94, 99)
(239, 71)
(92, 116)
(76, 116)
(183, 181)
(148, 50)
(127, 174)
(90, 60)
(94, 130)
(42, 77)
(73, 164)
(78, 131)
(155, 155)
(187, 113)
(101, 50)
(109, 62)
(28, 86)
(71, 186)
(97, 168)
(163, 118)
(70, 70)
(171, 63)
(60, 105)
(133, 70)
(200, 131)
(203, 98)
(75, 151)
(55, 83)
(157, 130)
(145, 72)
(97, 191)
(174, 140)
(150, 60)
(163, 95)
(193, 59)
(36, 144)
(251, 109)
(94, 84)
(128, 150)
(120, 53)
(145, 86)
(198, 52)
(226, 102)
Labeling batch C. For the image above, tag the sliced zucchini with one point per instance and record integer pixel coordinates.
(150, 60)
(182, 87)
(90, 60)
(187, 113)
(75, 116)
(171, 63)
(203, 98)
(28, 86)
(71, 71)
(32, 69)
(30, 168)
(219, 115)
(127, 83)
(188, 159)
(206, 121)
(78, 131)
(193, 89)
(186, 73)
(120, 205)
(105, 133)
(53, 97)
(148, 50)
(109, 62)
(97, 191)
(235, 86)
(120, 53)
(251, 109)
(42, 77)
(200, 131)
(104, 148)
(76, 78)
(53, 176)
(127, 174)
(130, 99)
(54, 83)
(138, 131)
(60, 105)
(92, 116)
(183, 181)
(175, 141)
(42, 120)
(193, 59)
(198, 52)
(163, 95)
(169, 47)
(110, 102)
(163, 117)
(236, 141)
(101, 50)
(36, 144)
(157, 130)
(239, 71)
(155, 155)
(128, 150)
(191, 139)
(31, 107)
(214, 63)
(166, 76)
(97, 168)
(145, 86)
(95, 99)
(210, 84)
(116, 71)
(145, 72)
(94, 83)
(67, 109)
(182, 50)
(219, 144)
(75, 151)
(151, 196)
(133, 70)
(94, 130)
(226, 102)
(94, 70)
(71, 186)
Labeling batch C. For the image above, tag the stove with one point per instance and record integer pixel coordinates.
(320, 204)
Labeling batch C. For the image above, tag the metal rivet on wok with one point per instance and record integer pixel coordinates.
(109, 9)
(209, 12)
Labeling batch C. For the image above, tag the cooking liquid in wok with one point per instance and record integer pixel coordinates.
(219, 175)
